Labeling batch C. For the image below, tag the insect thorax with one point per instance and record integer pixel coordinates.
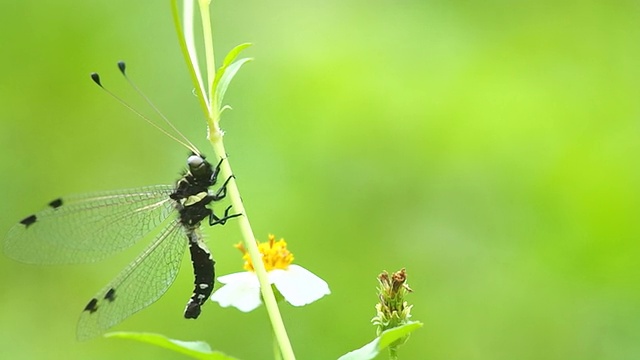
(192, 194)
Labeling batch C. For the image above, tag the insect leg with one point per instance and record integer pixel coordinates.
(213, 219)
(216, 171)
(222, 192)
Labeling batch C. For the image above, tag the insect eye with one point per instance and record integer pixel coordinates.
(194, 161)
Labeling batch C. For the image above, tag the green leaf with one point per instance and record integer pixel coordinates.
(195, 349)
(233, 54)
(195, 76)
(226, 74)
(225, 108)
(372, 349)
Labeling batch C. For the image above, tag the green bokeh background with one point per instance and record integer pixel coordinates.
(491, 148)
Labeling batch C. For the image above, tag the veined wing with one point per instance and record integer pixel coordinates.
(137, 286)
(90, 227)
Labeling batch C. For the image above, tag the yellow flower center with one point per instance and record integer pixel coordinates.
(275, 254)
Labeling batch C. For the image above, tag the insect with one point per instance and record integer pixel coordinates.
(88, 228)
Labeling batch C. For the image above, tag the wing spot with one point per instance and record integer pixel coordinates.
(92, 306)
(110, 295)
(56, 203)
(28, 220)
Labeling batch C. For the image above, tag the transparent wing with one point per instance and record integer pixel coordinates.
(137, 286)
(86, 228)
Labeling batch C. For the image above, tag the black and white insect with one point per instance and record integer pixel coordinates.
(88, 228)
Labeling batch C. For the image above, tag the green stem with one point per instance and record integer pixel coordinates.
(212, 114)
(276, 349)
(207, 31)
(268, 297)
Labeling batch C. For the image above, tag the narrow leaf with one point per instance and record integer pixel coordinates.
(372, 349)
(233, 54)
(196, 78)
(195, 349)
(225, 79)
(228, 60)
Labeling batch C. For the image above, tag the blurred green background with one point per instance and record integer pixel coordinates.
(491, 148)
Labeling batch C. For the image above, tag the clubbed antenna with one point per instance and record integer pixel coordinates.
(184, 141)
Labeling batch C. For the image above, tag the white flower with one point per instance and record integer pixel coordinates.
(297, 285)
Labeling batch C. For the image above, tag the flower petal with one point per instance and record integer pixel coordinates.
(298, 285)
(244, 276)
(242, 291)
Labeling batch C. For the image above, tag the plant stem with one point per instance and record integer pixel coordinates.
(268, 297)
(212, 114)
(277, 355)
(208, 48)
